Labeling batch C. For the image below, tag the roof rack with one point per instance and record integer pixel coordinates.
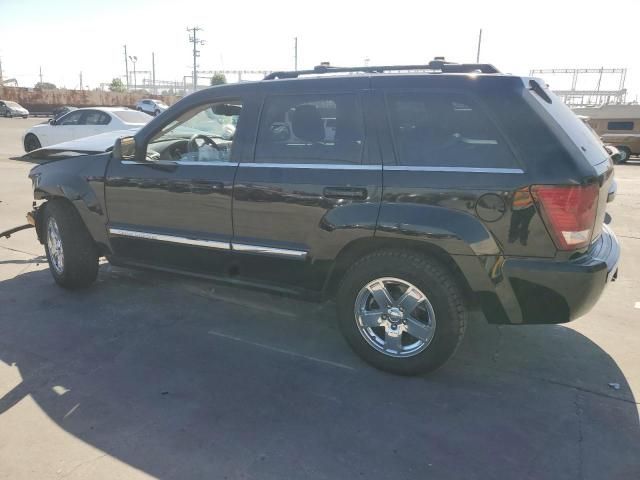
(438, 64)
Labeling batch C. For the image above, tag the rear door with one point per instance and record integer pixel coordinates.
(312, 186)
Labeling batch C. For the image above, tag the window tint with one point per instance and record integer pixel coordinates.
(311, 129)
(620, 126)
(445, 130)
(72, 118)
(95, 117)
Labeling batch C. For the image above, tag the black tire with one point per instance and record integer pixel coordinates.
(79, 267)
(428, 275)
(31, 142)
(156, 113)
(625, 154)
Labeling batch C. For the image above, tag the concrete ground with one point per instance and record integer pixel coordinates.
(146, 375)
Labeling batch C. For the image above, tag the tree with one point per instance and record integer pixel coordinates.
(45, 86)
(218, 79)
(117, 85)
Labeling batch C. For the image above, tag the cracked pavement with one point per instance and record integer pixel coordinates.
(152, 376)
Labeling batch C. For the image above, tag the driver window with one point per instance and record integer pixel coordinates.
(72, 118)
(203, 134)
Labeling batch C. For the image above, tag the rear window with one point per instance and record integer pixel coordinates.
(445, 129)
(590, 145)
(132, 116)
(620, 126)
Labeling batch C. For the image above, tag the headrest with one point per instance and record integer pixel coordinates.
(307, 123)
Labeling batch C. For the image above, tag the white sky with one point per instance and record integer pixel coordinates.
(69, 36)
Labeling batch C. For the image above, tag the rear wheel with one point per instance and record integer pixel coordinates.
(71, 252)
(401, 312)
(31, 142)
(625, 153)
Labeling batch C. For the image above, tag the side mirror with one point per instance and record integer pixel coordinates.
(125, 148)
(52, 121)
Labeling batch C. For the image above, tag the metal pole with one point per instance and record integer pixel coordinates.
(479, 45)
(295, 53)
(80, 81)
(1, 82)
(40, 76)
(195, 66)
(126, 65)
(153, 70)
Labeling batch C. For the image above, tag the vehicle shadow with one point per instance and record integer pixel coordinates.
(182, 379)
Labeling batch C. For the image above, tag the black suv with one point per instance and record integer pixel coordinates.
(408, 194)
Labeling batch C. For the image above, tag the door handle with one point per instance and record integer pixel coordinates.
(351, 193)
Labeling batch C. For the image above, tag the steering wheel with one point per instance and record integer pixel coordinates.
(193, 144)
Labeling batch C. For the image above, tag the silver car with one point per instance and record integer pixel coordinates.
(12, 109)
(151, 106)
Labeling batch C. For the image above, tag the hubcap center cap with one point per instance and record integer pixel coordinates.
(395, 314)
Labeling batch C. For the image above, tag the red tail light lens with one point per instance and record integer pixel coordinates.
(569, 212)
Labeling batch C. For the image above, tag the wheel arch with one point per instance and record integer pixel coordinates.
(357, 249)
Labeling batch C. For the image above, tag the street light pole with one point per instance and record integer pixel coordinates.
(134, 59)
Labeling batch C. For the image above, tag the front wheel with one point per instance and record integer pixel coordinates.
(401, 311)
(156, 113)
(31, 143)
(71, 252)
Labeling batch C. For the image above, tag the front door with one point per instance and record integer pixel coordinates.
(313, 186)
(171, 206)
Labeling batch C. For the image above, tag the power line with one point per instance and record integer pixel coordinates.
(193, 38)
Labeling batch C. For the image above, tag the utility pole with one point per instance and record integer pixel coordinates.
(295, 53)
(126, 65)
(479, 44)
(153, 71)
(41, 76)
(1, 82)
(80, 81)
(193, 38)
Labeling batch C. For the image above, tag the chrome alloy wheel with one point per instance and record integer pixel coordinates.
(54, 244)
(395, 317)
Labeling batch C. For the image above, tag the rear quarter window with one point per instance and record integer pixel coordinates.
(445, 129)
(590, 145)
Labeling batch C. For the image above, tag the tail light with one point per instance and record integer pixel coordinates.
(569, 212)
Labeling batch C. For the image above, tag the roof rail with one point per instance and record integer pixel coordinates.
(438, 65)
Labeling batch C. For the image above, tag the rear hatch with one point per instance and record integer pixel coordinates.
(588, 147)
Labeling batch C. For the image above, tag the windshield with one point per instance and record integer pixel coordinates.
(217, 121)
(13, 104)
(132, 116)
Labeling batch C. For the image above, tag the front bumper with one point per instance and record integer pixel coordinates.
(557, 292)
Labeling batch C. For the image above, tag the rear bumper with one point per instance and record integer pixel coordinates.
(557, 292)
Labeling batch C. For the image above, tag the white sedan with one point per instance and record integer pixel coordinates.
(81, 123)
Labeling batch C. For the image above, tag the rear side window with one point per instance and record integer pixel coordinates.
(311, 129)
(620, 126)
(443, 129)
(96, 117)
